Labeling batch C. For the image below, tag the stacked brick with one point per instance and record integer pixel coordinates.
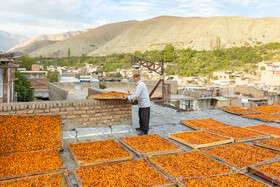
(77, 113)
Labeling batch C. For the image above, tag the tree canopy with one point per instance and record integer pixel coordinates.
(186, 62)
(23, 88)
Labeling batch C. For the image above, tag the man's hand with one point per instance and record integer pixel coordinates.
(124, 97)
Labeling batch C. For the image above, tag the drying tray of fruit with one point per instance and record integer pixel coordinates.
(272, 110)
(100, 152)
(17, 165)
(273, 144)
(269, 172)
(240, 156)
(276, 104)
(240, 134)
(109, 95)
(58, 178)
(262, 117)
(187, 165)
(267, 129)
(199, 124)
(237, 110)
(24, 133)
(150, 145)
(200, 139)
(238, 179)
(127, 173)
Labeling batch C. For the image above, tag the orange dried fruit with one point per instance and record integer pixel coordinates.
(223, 181)
(189, 164)
(107, 150)
(266, 129)
(240, 154)
(204, 123)
(129, 173)
(29, 133)
(27, 163)
(266, 109)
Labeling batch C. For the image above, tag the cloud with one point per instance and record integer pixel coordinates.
(33, 17)
(243, 2)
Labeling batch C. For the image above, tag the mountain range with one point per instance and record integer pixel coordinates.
(8, 40)
(193, 32)
(43, 40)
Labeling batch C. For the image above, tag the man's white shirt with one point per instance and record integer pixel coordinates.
(142, 95)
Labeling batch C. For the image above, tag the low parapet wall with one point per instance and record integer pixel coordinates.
(76, 113)
(57, 93)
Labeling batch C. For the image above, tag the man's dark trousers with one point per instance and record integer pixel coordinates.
(144, 118)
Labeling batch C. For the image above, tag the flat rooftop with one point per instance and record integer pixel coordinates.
(163, 121)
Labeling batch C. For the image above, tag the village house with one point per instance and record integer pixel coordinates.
(38, 80)
(37, 77)
(270, 73)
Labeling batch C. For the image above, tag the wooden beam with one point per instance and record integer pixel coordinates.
(5, 85)
(154, 89)
(9, 66)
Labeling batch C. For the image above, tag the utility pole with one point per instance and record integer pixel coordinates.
(162, 81)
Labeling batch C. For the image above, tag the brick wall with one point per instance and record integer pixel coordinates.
(76, 113)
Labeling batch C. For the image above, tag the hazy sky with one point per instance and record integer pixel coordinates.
(34, 17)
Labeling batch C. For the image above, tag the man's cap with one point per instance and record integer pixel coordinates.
(136, 75)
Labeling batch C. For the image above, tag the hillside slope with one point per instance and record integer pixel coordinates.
(86, 42)
(195, 33)
(34, 46)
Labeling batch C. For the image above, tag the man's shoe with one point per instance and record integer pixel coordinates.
(139, 129)
(143, 133)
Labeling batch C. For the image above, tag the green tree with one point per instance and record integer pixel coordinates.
(23, 88)
(69, 53)
(262, 68)
(168, 53)
(218, 42)
(26, 62)
(53, 76)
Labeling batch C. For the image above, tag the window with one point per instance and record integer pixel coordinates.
(33, 75)
(27, 76)
(41, 75)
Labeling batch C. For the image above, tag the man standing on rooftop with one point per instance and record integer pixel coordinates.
(143, 103)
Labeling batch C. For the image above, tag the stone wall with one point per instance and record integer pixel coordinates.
(94, 91)
(39, 84)
(76, 113)
(57, 93)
